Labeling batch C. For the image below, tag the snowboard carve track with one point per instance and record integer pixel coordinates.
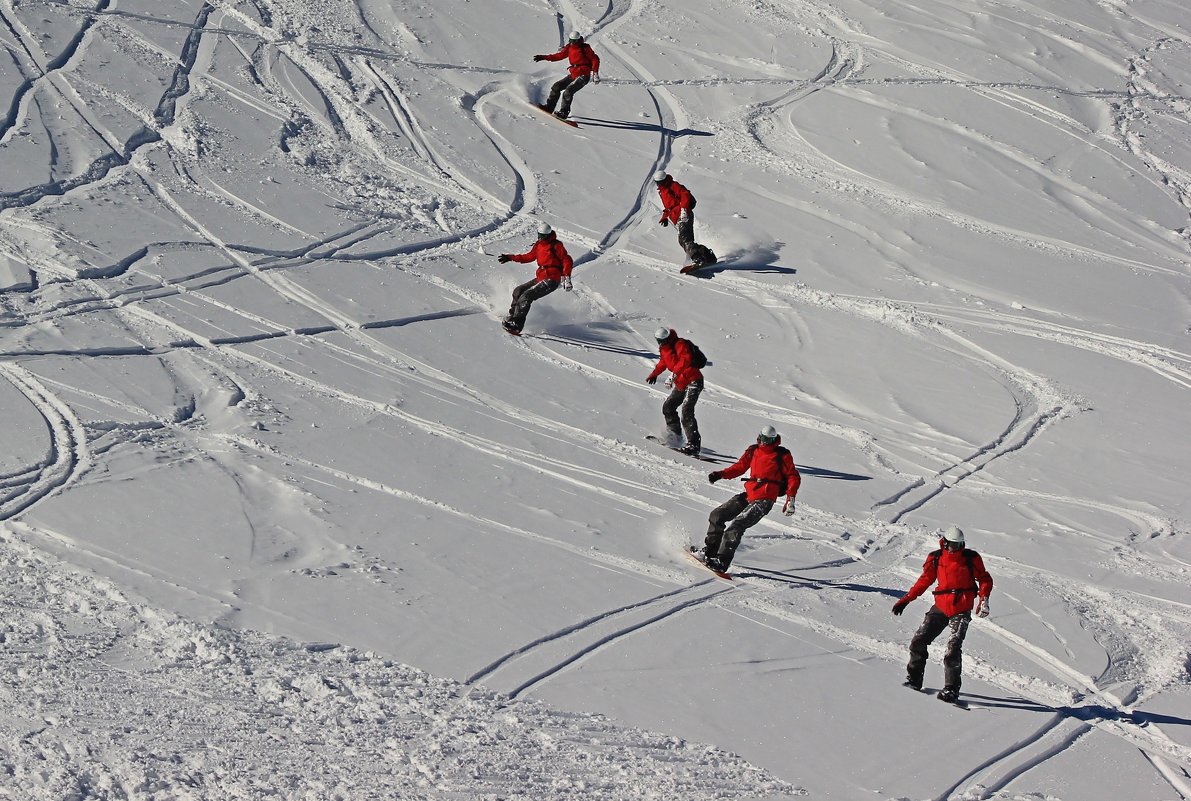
(67, 456)
(594, 640)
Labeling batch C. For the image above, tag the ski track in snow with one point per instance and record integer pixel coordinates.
(327, 697)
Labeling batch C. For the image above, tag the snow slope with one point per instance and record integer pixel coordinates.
(286, 515)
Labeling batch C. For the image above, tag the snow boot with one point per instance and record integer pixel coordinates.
(948, 694)
(673, 439)
(715, 563)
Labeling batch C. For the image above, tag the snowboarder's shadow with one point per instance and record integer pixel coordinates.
(823, 472)
(754, 259)
(1090, 713)
(795, 580)
(596, 336)
(732, 264)
(647, 127)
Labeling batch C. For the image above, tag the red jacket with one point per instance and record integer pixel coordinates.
(961, 576)
(675, 198)
(584, 61)
(553, 260)
(772, 472)
(676, 357)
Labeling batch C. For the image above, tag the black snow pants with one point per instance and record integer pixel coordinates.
(686, 398)
(932, 626)
(566, 88)
(695, 253)
(743, 514)
(523, 297)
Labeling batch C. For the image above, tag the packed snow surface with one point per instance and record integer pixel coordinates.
(284, 514)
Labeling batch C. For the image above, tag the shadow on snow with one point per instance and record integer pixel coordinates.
(794, 579)
(647, 127)
(1089, 713)
(596, 336)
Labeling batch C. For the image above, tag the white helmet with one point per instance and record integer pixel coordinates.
(544, 229)
(661, 334)
(954, 534)
(768, 435)
(660, 176)
(575, 36)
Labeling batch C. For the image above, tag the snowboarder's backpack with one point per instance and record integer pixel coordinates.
(698, 358)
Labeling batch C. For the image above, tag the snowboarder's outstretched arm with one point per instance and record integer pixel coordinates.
(930, 571)
(660, 368)
(520, 258)
(742, 464)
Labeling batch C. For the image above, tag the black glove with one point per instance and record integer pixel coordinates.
(502, 258)
(653, 379)
(539, 58)
(900, 606)
(664, 221)
(714, 477)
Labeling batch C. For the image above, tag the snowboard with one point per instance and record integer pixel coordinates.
(690, 268)
(959, 703)
(550, 114)
(691, 552)
(661, 441)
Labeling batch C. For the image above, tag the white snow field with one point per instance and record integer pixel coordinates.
(286, 515)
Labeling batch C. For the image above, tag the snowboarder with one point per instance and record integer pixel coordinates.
(771, 472)
(963, 582)
(584, 67)
(684, 361)
(554, 266)
(679, 208)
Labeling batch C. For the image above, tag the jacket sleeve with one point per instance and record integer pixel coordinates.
(983, 579)
(743, 463)
(595, 60)
(930, 571)
(684, 197)
(522, 258)
(793, 477)
(669, 207)
(568, 263)
(662, 366)
(559, 56)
